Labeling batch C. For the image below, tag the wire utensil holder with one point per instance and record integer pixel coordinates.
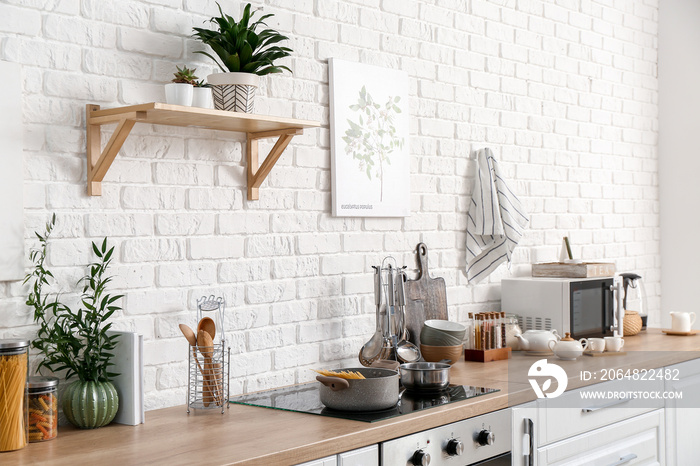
(209, 366)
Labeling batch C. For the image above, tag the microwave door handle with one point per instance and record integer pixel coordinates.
(609, 309)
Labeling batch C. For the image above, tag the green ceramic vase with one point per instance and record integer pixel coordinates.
(89, 405)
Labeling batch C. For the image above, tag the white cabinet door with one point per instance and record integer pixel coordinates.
(367, 456)
(683, 415)
(639, 440)
(328, 461)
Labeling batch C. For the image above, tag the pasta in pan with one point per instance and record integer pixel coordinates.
(341, 374)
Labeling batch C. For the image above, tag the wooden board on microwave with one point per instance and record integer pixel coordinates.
(565, 270)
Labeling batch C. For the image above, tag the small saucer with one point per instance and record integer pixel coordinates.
(669, 331)
(538, 353)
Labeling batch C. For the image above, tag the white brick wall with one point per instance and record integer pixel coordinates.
(565, 93)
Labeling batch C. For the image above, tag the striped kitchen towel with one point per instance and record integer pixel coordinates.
(495, 220)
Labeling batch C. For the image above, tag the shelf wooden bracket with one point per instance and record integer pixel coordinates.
(99, 160)
(257, 172)
(255, 127)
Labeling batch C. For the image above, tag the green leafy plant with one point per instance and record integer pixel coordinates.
(75, 341)
(201, 84)
(185, 76)
(373, 138)
(240, 48)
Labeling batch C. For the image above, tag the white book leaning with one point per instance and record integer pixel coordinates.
(128, 362)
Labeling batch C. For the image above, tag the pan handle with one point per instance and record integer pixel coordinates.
(334, 383)
(386, 364)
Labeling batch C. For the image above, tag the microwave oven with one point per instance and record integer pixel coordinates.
(584, 307)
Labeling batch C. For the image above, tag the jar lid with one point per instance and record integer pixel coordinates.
(13, 344)
(42, 382)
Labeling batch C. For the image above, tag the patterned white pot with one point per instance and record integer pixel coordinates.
(234, 92)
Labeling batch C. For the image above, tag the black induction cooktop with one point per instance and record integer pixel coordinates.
(305, 398)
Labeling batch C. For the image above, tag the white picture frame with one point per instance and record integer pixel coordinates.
(370, 163)
(11, 174)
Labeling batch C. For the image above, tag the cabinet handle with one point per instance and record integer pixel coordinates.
(529, 443)
(624, 460)
(592, 409)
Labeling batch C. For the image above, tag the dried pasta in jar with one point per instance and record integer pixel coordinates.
(42, 408)
(13, 396)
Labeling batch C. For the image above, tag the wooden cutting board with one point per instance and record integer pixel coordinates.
(432, 292)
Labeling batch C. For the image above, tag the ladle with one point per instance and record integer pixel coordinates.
(407, 351)
(372, 349)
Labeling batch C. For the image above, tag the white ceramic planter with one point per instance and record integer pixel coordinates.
(179, 94)
(234, 92)
(202, 97)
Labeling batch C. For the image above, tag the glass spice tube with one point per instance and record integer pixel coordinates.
(497, 323)
(503, 330)
(43, 408)
(13, 394)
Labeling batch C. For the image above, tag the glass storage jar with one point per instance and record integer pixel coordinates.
(43, 408)
(512, 329)
(13, 394)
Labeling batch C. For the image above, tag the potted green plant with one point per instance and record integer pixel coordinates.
(202, 95)
(180, 90)
(244, 55)
(77, 341)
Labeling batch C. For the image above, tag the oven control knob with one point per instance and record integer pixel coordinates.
(485, 437)
(454, 447)
(420, 458)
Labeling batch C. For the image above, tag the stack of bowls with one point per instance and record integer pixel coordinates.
(442, 339)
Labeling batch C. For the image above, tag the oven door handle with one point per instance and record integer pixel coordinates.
(528, 443)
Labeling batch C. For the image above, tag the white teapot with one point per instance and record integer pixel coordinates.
(568, 348)
(537, 340)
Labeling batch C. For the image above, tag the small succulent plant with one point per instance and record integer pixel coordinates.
(185, 76)
(201, 84)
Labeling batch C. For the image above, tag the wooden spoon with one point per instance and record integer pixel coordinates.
(208, 325)
(192, 339)
(206, 347)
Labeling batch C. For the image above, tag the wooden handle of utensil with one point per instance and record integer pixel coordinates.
(334, 383)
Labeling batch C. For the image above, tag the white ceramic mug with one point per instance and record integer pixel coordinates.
(614, 344)
(682, 321)
(596, 345)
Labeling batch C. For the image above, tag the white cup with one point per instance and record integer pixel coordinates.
(682, 321)
(614, 344)
(596, 345)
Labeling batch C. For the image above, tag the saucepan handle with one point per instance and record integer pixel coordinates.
(334, 383)
(386, 364)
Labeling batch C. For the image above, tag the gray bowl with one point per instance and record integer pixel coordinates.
(455, 329)
(433, 337)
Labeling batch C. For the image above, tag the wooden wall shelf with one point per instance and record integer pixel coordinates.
(255, 126)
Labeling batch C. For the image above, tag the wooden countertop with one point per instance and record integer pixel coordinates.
(258, 436)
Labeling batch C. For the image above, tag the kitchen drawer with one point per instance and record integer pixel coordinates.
(367, 456)
(639, 440)
(327, 461)
(570, 414)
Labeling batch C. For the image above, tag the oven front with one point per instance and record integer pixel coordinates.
(481, 440)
